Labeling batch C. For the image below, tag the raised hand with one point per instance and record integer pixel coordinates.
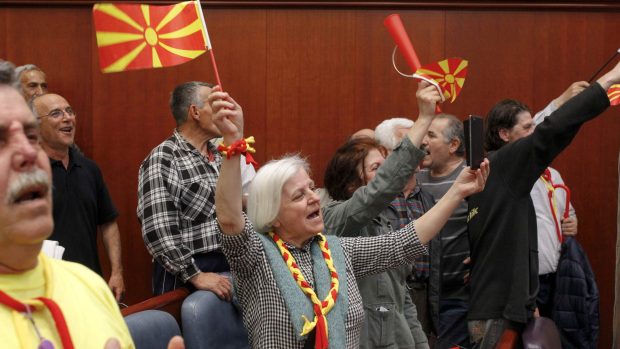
(227, 115)
(574, 89)
(610, 78)
(472, 181)
(428, 96)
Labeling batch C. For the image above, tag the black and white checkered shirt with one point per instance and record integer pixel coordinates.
(264, 310)
(176, 204)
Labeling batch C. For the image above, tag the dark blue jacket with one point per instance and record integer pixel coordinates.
(576, 303)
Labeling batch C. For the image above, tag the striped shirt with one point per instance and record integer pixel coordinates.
(451, 245)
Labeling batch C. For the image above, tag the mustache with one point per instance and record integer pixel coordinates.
(35, 178)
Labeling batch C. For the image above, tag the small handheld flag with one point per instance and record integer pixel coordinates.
(450, 75)
(139, 36)
(447, 75)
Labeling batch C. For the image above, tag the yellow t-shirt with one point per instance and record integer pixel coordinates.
(87, 304)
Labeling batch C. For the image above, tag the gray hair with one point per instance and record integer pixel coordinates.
(21, 70)
(454, 130)
(7, 73)
(183, 96)
(266, 190)
(385, 131)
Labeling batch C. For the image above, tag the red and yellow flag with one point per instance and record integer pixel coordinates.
(614, 94)
(450, 75)
(137, 36)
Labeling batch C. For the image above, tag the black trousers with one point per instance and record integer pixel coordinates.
(544, 298)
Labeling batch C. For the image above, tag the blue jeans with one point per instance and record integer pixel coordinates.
(452, 329)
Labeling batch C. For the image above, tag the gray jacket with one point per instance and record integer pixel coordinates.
(391, 317)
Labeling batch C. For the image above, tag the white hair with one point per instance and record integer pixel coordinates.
(265, 191)
(385, 131)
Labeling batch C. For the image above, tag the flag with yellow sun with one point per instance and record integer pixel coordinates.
(138, 36)
(449, 74)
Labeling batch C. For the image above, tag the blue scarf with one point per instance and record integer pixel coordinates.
(297, 302)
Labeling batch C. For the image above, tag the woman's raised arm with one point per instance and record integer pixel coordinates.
(228, 117)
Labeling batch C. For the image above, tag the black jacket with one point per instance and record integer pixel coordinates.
(576, 298)
(502, 221)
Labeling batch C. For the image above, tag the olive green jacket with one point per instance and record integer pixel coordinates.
(391, 317)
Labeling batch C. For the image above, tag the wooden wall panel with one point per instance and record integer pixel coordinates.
(308, 75)
(3, 29)
(329, 72)
(59, 43)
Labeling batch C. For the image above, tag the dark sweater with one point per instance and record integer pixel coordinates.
(502, 222)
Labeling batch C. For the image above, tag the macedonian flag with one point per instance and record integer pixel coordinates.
(614, 94)
(449, 74)
(137, 36)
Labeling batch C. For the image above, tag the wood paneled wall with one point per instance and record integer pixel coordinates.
(309, 74)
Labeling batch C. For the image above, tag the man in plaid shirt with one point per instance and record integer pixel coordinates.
(176, 204)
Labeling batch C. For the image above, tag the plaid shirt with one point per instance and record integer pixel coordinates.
(176, 204)
(264, 310)
(407, 210)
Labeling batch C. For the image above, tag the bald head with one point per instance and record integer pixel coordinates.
(58, 122)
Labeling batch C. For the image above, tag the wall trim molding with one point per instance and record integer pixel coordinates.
(567, 5)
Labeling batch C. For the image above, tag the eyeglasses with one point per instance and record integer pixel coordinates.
(57, 113)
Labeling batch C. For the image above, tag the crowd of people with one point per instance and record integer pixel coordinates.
(406, 246)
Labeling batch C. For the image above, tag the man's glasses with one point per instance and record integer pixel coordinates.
(58, 113)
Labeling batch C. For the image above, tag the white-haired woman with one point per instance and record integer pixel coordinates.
(297, 287)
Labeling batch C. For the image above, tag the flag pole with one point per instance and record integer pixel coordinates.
(604, 65)
(208, 45)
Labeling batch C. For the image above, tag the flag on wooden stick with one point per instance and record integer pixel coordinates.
(138, 36)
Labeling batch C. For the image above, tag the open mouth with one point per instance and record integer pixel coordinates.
(67, 129)
(30, 194)
(314, 214)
